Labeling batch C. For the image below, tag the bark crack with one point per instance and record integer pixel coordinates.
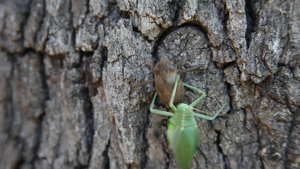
(26, 15)
(176, 5)
(88, 112)
(251, 21)
(43, 106)
(290, 141)
(218, 143)
(105, 154)
(145, 128)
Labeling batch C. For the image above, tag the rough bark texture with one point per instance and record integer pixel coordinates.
(67, 67)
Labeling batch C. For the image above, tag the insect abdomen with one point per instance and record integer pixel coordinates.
(183, 142)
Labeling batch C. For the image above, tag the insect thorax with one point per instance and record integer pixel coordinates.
(184, 116)
(184, 109)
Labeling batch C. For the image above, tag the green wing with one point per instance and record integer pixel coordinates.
(183, 142)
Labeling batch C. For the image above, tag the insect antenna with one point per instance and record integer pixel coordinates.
(189, 69)
(143, 83)
(200, 111)
(208, 113)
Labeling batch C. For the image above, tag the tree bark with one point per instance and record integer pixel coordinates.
(67, 69)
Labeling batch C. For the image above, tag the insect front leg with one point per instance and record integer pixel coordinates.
(173, 94)
(197, 90)
(155, 111)
(201, 98)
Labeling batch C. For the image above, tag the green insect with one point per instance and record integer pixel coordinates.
(182, 132)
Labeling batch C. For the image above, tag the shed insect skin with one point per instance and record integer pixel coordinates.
(182, 132)
(164, 76)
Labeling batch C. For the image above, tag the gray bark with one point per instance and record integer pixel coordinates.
(67, 67)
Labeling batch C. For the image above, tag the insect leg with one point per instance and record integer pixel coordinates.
(197, 90)
(173, 94)
(155, 111)
(215, 115)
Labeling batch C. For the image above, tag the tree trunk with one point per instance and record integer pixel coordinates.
(67, 69)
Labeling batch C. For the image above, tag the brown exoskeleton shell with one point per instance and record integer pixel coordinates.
(164, 76)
